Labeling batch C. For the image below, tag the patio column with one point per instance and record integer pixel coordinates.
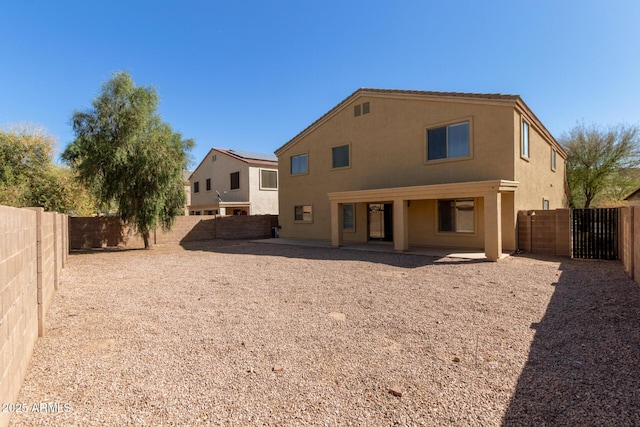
(400, 225)
(493, 226)
(337, 224)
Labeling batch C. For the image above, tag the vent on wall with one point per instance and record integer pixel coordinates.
(361, 109)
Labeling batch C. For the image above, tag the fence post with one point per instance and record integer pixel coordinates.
(40, 269)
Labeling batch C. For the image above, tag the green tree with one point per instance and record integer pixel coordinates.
(128, 156)
(28, 177)
(598, 161)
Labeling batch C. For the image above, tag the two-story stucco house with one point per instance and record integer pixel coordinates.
(420, 168)
(233, 182)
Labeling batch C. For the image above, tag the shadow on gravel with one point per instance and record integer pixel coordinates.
(108, 249)
(319, 253)
(584, 363)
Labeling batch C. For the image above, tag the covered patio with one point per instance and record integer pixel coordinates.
(491, 193)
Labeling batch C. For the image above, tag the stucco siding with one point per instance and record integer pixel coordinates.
(218, 166)
(423, 226)
(388, 158)
(388, 149)
(537, 180)
(263, 200)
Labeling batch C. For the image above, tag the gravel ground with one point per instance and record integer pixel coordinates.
(240, 333)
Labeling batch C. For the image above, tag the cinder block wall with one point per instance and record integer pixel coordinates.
(47, 258)
(97, 232)
(635, 242)
(28, 275)
(546, 232)
(245, 227)
(188, 229)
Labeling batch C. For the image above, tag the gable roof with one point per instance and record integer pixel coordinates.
(633, 195)
(486, 98)
(248, 157)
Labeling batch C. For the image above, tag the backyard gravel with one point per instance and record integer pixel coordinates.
(238, 333)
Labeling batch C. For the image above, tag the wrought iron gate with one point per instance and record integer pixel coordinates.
(594, 233)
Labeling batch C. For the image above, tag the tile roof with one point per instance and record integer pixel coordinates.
(442, 94)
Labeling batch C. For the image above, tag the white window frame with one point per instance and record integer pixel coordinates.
(262, 187)
(525, 140)
(554, 159)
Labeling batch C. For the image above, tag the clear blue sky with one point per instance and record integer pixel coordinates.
(250, 75)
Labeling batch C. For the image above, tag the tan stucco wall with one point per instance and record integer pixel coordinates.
(388, 149)
(537, 180)
(423, 228)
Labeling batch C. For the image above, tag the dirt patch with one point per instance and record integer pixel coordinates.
(191, 337)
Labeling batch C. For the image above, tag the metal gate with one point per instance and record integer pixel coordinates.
(595, 233)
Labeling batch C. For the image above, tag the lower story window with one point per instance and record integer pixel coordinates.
(303, 213)
(348, 217)
(456, 216)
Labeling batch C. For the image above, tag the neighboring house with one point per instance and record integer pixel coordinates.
(420, 168)
(633, 199)
(233, 182)
(187, 190)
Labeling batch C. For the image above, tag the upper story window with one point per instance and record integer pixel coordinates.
(553, 159)
(235, 180)
(208, 184)
(299, 164)
(340, 157)
(524, 149)
(448, 142)
(196, 187)
(268, 179)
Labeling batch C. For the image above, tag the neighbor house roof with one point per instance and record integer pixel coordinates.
(248, 156)
(633, 195)
(514, 100)
(244, 156)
